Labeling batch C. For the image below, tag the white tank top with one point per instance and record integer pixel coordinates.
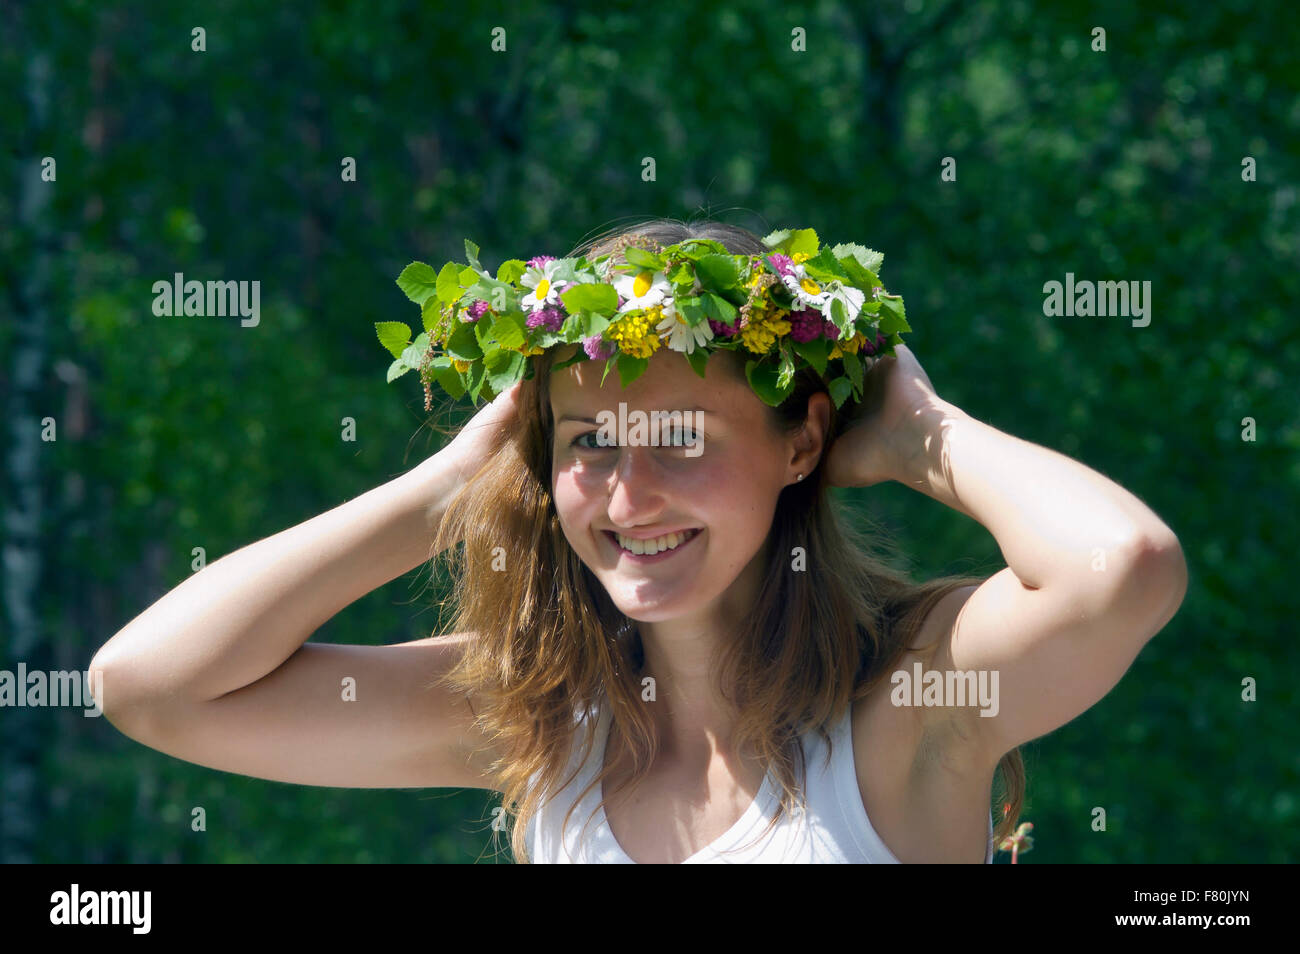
(835, 831)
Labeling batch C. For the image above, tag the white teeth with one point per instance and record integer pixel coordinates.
(650, 547)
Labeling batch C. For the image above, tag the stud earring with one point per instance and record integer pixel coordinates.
(798, 477)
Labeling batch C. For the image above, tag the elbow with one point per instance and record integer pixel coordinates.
(116, 687)
(1155, 583)
(1164, 565)
(102, 683)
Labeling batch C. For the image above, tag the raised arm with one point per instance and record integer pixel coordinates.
(1092, 573)
(236, 620)
(219, 671)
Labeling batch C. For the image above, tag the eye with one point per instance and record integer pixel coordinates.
(681, 441)
(681, 437)
(586, 434)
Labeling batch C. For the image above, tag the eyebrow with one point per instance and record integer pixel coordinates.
(592, 420)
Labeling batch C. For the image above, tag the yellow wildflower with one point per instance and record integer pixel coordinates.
(764, 328)
(851, 346)
(635, 332)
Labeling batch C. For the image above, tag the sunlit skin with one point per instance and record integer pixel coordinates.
(686, 604)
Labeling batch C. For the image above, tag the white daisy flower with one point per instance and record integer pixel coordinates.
(643, 289)
(541, 281)
(681, 336)
(806, 292)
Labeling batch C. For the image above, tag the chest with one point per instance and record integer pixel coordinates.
(924, 802)
(673, 814)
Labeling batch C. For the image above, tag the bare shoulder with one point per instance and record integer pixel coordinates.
(926, 790)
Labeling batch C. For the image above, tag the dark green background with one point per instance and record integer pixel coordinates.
(183, 432)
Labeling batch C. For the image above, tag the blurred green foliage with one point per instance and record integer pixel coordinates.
(1117, 165)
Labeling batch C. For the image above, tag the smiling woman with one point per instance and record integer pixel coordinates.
(716, 613)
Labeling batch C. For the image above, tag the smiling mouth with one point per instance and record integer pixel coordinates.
(665, 544)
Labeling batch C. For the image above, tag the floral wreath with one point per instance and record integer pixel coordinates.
(796, 306)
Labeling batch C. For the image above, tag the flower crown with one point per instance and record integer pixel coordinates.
(796, 306)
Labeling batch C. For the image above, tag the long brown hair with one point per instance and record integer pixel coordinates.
(549, 643)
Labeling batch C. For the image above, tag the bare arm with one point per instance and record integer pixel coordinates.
(239, 618)
(219, 671)
(1092, 575)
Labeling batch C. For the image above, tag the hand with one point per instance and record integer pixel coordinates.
(482, 435)
(876, 448)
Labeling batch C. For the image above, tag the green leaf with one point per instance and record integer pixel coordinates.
(785, 374)
(859, 276)
(595, 323)
(692, 309)
(572, 329)
(839, 390)
(393, 335)
(805, 241)
(502, 369)
(815, 352)
(775, 240)
(496, 293)
(716, 307)
(868, 258)
(630, 368)
(511, 269)
(601, 299)
(762, 378)
(583, 324)
(471, 255)
(418, 281)
(853, 367)
(825, 267)
(717, 272)
(397, 369)
(696, 249)
(640, 258)
(507, 331)
(463, 343)
(609, 363)
(449, 380)
(414, 353)
(682, 275)
(449, 287)
(476, 380)
(893, 317)
(698, 359)
(839, 316)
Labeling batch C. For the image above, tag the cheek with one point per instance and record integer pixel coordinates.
(577, 496)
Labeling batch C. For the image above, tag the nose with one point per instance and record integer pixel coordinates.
(636, 487)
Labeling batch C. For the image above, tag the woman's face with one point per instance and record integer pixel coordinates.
(724, 488)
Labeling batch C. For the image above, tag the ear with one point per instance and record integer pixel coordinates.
(808, 443)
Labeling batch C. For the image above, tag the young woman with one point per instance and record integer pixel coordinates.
(743, 692)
